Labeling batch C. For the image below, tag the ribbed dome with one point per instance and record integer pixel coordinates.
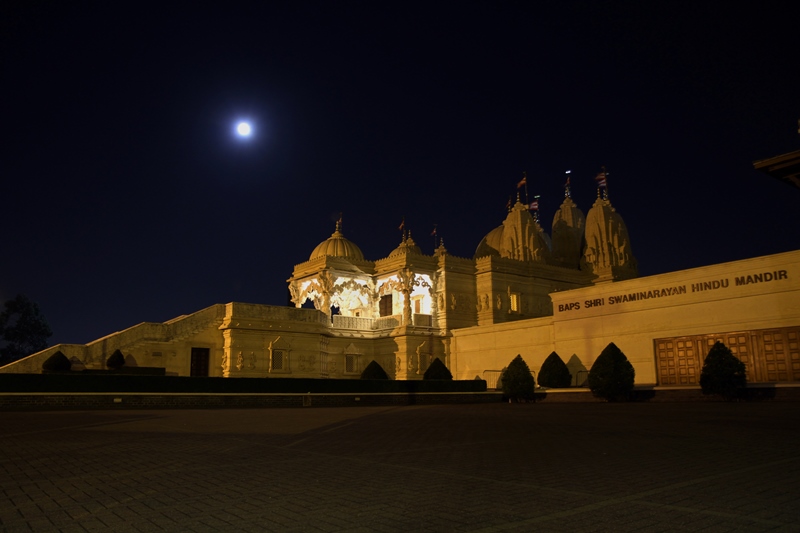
(337, 246)
(491, 244)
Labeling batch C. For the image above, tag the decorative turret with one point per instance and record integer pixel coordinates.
(441, 250)
(407, 246)
(608, 252)
(337, 246)
(568, 232)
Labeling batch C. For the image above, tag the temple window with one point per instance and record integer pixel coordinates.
(385, 305)
(278, 359)
(351, 363)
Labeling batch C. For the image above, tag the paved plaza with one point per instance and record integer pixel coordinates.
(475, 468)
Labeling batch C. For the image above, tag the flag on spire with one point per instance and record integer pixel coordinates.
(402, 224)
(433, 233)
(523, 181)
(534, 205)
(601, 179)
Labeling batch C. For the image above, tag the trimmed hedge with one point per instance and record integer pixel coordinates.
(518, 381)
(437, 370)
(57, 362)
(116, 360)
(723, 373)
(374, 371)
(554, 373)
(91, 382)
(612, 375)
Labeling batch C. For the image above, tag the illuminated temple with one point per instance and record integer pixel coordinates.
(523, 292)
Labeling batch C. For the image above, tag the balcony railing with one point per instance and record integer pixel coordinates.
(422, 320)
(378, 324)
(352, 322)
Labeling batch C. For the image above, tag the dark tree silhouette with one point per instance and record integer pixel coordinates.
(437, 370)
(518, 381)
(612, 375)
(57, 362)
(374, 371)
(554, 372)
(116, 360)
(723, 373)
(23, 329)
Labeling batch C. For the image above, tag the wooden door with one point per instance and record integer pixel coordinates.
(200, 357)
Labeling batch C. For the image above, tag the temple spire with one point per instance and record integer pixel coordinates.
(523, 183)
(567, 191)
(602, 183)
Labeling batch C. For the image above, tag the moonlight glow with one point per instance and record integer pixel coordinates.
(244, 129)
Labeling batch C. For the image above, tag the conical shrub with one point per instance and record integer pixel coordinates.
(374, 371)
(116, 360)
(518, 381)
(612, 375)
(554, 373)
(437, 370)
(723, 373)
(58, 362)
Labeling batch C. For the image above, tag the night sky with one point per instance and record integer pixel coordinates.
(126, 197)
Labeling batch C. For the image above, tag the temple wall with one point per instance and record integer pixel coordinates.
(758, 294)
(752, 294)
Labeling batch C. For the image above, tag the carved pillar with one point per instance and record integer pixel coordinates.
(295, 294)
(407, 282)
(325, 280)
(434, 299)
(227, 351)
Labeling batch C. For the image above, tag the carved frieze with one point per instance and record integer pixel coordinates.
(461, 302)
(306, 363)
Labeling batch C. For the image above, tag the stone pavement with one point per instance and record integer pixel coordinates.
(480, 468)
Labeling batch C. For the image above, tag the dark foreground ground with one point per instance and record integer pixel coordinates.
(497, 467)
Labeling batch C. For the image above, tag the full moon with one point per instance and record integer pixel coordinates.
(243, 129)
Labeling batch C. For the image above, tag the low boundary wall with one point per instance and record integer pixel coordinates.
(784, 392)
(54, 401)
(44, 401)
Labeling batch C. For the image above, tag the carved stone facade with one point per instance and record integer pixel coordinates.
(399, 310)
(518, 294)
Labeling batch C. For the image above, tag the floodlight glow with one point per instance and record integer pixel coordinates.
(244, 129)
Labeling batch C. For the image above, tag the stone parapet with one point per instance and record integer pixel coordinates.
(120, 401)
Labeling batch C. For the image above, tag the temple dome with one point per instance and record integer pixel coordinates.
(407, 246)
(491, 244)
(337, 246)
(520, 237)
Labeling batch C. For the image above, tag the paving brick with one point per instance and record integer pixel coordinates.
(548, 467)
